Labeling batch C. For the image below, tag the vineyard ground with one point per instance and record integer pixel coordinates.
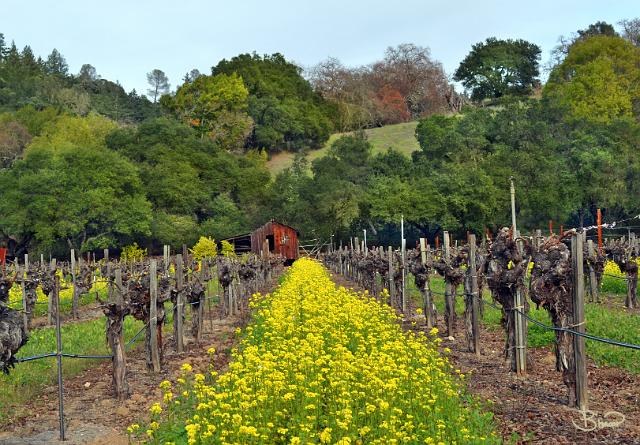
(608, 319)
(93, 415)
(533, 409)
(27, 381)
(81, 335)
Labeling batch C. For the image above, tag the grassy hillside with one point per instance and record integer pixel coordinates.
(399, 136)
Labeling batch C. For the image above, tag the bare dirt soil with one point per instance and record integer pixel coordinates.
(535, 405)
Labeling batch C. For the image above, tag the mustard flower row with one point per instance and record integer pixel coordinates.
(322, 364)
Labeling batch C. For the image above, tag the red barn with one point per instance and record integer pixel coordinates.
(281, 239)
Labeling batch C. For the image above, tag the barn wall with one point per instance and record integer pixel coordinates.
(289, 249)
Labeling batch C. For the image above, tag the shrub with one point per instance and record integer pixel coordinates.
(227, 249)
(206, 247)
(133, 252)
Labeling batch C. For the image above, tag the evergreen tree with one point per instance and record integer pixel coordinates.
(159, 83)
(56, 64)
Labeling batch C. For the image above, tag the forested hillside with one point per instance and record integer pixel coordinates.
(84, 164)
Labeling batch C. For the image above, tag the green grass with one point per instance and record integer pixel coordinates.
(399, 136)
(29, 379)
(602, 321)
(66, 297)
(614, 285)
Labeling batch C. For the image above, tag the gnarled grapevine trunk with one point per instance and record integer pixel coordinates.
(421, 274)
(13, 335)
(195, 296)
(31, 296)
(453, 275)
(552, 288)
(505, 271)
(115, 310)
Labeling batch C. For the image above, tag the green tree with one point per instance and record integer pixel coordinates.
(93, 199)
(497, 68)
(226, 219)
(597, 82)
(205, 248)
(158, 82)
(286, 111)
(191, 182)
(67, 131)
(174, 230)
(3, 47)
(631, 30)
(56, 64)
(87, 74)
(216, 106)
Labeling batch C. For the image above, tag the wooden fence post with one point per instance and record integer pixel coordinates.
(178, 328)
(208, 291)
(403, 246)
(153, 316)
(56, 302)
(428, 303)
(202, 302)
(578, 322)
(449, 298)
(475, 297)
(25, 308)
(74, 301)
(116, 340)
(51, 308)
(632, 278)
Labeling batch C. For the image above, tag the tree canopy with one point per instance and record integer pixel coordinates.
(496, 68)
(286, 111)
(86, 198)
(597, 82)
(217, 107)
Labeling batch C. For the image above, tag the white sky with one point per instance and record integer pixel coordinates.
(126, 39)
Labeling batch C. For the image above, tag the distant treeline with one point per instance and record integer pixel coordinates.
(86, 165)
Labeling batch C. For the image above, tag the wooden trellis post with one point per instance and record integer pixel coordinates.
(205, 285)
(579, 321)
(51, 307)
(178, 322)
(23, 273)
(475, 303)
(116, 340)
(403, 246)
(593, 283)
(428, 303)
(449, 298)
(153, 315)
(74, 301)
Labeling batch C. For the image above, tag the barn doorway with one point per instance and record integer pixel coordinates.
(272, 243)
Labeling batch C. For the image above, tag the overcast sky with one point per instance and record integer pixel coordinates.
(126, 39)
